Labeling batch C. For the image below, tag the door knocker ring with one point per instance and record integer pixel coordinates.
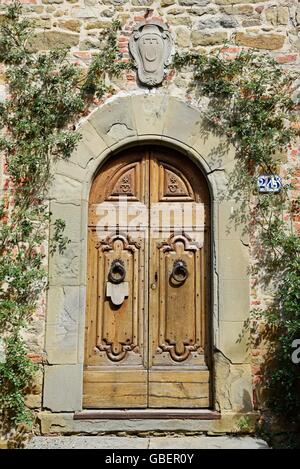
(117, 272)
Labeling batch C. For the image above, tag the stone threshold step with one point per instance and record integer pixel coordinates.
(148, 414)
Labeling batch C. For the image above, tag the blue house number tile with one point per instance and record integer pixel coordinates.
(267, 183)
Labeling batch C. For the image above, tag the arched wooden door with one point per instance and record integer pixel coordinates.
(147, 326)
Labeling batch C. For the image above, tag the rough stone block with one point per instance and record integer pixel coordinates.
(234, 295)
(97, 25)
(297, 15)
(71, 214)
(233, 341)
(33, 401)
(179, 20)
(200, 38)
(183, 36)
(227, 227)
(260, 41)
(233, 385)
(241, 389)
(233, 259)
(70, 24)
(85, 13)
(237, 9)
(234, 2)
(53, 39)
(167, 3)
(47, 2)
(64, 267)
(63, 388)
(199, 3)
(62, 325)
(277, 15)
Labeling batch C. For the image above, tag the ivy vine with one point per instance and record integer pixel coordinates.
(47, 93)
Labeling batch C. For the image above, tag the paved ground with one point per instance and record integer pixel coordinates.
(132, 442)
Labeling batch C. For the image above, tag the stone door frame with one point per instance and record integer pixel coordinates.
(134, 120)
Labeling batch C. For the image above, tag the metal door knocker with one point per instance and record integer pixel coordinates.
(117, 272)
(116, 288)
(179, 272)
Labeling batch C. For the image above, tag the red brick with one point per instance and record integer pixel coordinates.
(6, 184)
(257, 380)
(230, 57)
(82, 54)
(157, 18)
(35, 357)
(231, 50)
(295, 125)
(259, 9)
(130, 76)
(287, 58)
(255, 302)
(255, 400)
(255, 370)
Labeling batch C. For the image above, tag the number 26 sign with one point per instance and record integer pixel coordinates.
(267, 183)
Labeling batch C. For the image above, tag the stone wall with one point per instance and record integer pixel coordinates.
(199, 25)
(194, 24)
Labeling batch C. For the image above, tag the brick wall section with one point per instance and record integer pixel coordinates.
(199, 25)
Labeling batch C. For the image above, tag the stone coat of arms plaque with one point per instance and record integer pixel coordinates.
(150, 45)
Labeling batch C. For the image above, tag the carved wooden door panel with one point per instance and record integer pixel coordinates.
(115, 372)
(179, 253)
(147, 298)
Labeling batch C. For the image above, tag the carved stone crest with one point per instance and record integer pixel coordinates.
(150, 46)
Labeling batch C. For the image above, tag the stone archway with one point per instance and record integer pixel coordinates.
(132, 120)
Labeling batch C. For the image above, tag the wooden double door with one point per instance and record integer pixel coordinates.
(147, 325)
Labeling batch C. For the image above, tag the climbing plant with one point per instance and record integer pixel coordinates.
(252, 102)
(46, 94)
